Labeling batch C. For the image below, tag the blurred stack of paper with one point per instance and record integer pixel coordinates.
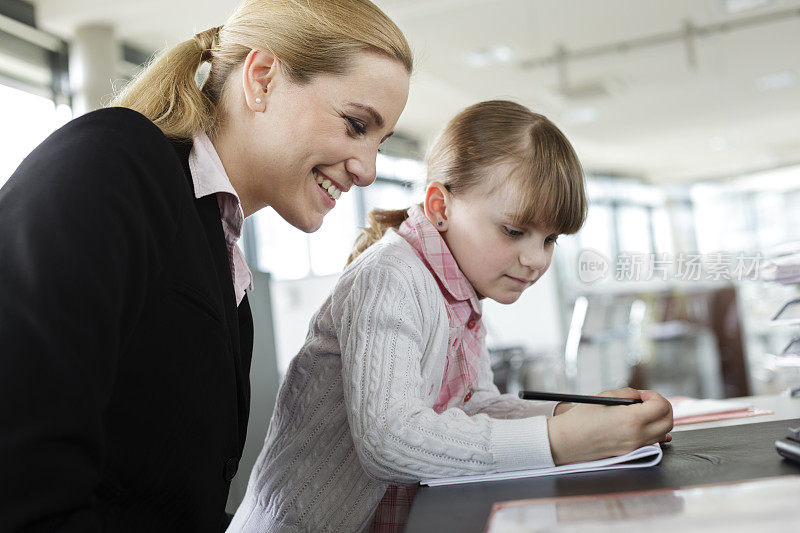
(784, 266)
(693, 411)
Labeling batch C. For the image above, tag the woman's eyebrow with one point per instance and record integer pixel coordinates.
(376, 117)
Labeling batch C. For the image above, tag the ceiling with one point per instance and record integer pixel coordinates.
(667, 91)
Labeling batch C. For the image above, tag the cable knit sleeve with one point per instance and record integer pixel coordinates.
(486, 397)
(389, 324)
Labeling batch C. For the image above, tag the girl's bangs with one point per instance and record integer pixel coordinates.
(549, 186)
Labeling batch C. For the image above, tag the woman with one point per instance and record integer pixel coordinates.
(125, 329)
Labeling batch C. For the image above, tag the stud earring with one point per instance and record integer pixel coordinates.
(258, 100)
(440, 223)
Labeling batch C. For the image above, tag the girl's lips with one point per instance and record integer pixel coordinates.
(520, 280)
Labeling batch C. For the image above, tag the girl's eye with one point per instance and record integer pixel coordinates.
(355, 127)
(553, 239)
(511, 232)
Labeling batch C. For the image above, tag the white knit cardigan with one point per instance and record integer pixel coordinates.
(354, 412)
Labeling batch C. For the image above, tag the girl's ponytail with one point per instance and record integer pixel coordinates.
(166, 91)
(378, 222)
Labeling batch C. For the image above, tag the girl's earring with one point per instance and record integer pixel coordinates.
(440, 223)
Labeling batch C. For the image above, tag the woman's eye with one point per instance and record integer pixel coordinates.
(355, 127)
(511, 232)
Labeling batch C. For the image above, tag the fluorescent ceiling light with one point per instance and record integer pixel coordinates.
(776, 80)
(738, 6)
(490, 55)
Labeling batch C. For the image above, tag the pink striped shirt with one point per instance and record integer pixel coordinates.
(209, 177)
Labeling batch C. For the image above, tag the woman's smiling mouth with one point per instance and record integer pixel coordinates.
(327, 185)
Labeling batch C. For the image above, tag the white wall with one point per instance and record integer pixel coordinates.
(532, 321)
(294, 302)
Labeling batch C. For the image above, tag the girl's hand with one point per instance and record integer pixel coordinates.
(588, 432)
(562, 407)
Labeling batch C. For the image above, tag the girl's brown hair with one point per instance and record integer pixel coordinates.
(310, 37)
(543, 168)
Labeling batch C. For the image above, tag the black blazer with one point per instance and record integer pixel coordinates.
(124, 361)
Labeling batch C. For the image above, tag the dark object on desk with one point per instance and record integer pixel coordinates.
(576, 398)
(697, 457)
(788, 448)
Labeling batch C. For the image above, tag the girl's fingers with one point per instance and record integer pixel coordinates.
(659, 430)
(655, 406)
(625, 392)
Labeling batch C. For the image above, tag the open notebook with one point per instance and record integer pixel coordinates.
(643, 457)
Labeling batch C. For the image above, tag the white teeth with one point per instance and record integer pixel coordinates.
(332, 190)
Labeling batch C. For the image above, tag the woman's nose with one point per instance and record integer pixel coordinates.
(362, 167)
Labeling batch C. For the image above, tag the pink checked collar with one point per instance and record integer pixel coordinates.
(426, 240)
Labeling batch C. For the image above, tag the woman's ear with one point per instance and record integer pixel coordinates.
(259, 70)
(436, 199)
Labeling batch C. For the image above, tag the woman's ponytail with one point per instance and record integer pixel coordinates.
(166, 92)
(310, 37)
(378, 222)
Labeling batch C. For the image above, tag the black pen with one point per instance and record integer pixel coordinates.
(576, 398)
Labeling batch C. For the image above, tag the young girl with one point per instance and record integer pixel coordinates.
(394, 382)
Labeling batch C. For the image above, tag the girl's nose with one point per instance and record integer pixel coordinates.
(534, 257)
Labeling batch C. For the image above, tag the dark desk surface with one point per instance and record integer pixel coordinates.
(698, 457)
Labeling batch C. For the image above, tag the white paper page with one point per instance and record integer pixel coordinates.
(640, 458)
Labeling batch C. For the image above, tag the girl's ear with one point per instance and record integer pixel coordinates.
(436, 200)
(259, 69)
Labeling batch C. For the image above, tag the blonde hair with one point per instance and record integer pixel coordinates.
(309, 37)
(543, 168)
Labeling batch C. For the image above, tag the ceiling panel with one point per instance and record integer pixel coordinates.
(678, 110)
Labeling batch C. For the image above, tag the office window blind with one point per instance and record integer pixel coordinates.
(32, 60)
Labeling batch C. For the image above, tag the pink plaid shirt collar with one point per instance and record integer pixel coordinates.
(428, 243)
(465, 339)
(209, 177)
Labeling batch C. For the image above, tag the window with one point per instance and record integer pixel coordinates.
(29, 118)
(598, 230)
(633, 227)
(390, 195)
(288, 253)
(33, 85)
